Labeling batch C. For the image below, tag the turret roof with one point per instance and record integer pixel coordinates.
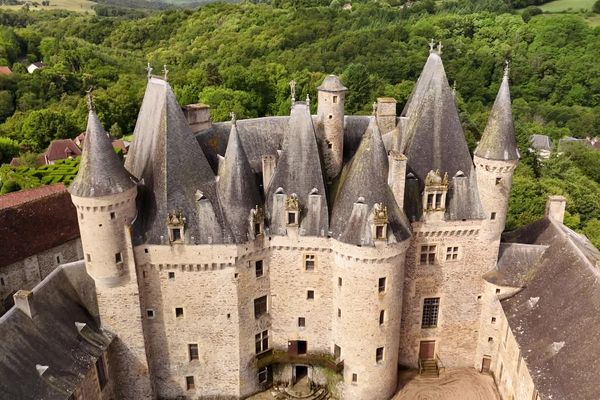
(175, 172)
(332, 83)
(101, 172)
(237, 187)
(498, 140)
(363, 183)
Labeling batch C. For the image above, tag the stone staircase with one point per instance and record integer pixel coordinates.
(429, 368)
(282, 393)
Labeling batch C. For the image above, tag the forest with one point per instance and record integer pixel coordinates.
(240, 57)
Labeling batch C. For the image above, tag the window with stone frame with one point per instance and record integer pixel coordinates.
(301, 322)
(261, 341)
(431, 308)
(193, 351)
(189, 383)
(381, 285)
(258, 268)
(451, 253)
(427, 254)
(260, 306)
(263, 375)
(379, 354)
(309, 262)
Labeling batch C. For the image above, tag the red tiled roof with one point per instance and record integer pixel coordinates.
(35, 220)
(4, 70)
(61, 149)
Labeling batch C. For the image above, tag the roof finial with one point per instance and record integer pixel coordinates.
(307, 99)
(431, 45)
(454, 89)
(233, 119)
(149, 69)
(165, 71)
(439, 47)
(293, 90)
(374, 108)
(90, 99)
(506, 68)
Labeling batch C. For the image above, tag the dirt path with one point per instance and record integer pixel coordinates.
(453, 384)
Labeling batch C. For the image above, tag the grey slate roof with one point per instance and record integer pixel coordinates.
(555, 318)
(332, 83)
(299, 171)
(498, 141)
(237, 187)
(101, 172)
(462, 202)
(165, 156)
(366, 177)
(51, 339)
(514, 263)
(540, 142)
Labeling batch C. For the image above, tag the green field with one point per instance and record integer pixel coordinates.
(71, 5)
(567, 5)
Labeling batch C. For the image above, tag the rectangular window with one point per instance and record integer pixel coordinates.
(427, 256)
(381, 285)
(178, 312)
(354, 378)
(498, 181)
(263, 375)
(493, 216)
(452, 253)
(381, 317)
(379, 232)
(339, 313)
(102, 380)
(438, 201)
(260, 306)
(150, 313)
(262, 341)
(335, 98)
(113, 215)
(430, 201)
(258, 268)
(430, 312)
(189, 383)
(339, 282)
(118, 258)
(379, 354)
(309, 262)
(58, 260)
(257, 229)
(175, 234)
(337, 352)
(171, 275)
(291, 218)
(88, 258)
(310, 295)
(193, 351)
(302, 347)
(301, 322)
(493, 320)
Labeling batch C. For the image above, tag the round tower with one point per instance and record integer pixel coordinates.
(496, 158)
(330, 114)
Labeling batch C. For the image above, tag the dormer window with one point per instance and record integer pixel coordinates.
(292, 208)
(380, 221)
(436, 188)
(257, 221)
(176, 225)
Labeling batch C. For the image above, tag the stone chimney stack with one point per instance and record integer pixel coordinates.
(198, 116)
(397, 175)
(268, 169)
(386, 114)
(23, 300)
(555, 208)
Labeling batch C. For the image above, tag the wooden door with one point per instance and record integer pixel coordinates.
(427, 350)
(485, 365)
(293, 347)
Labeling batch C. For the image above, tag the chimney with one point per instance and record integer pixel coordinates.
(198, 116)
(23, 301)
(386, 114)
(555, 208)
(397, 175)
(268, 169)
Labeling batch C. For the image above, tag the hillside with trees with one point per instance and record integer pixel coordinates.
(240, 57)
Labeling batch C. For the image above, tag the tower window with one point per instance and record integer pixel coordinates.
(381, 317)
(337, 352)
(260, 306)
(58, 259)
(113, 215)
(335, 99)
(171, 275)
(309, 262)
(493, 216)
(490, 339)
(189, 383)
(178, 312)
(379, 354)
(493, 320)
(380, 232)
(498, 181)
(292, 218)
(193, 351)
(118, 257)
(258, 267)
(452, 253)
(329, 144)
(427, 256)
(310, 295)
(176, 234)
(150, 313)
(430, 312)
(339, 282)
(354, 378)
(88, 258)
(301, 322)
(262, 341)
(381, 285)
(339, 313)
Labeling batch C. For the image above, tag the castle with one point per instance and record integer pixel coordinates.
(333, 248)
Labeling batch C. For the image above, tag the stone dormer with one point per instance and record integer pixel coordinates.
(176, 225)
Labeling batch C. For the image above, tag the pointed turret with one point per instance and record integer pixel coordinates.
(299, 178)
(179, 184)
(363, 191)
(101, 172)
(498, 140)
(237, 187)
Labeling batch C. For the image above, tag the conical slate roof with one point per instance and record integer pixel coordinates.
(498, 140)
(365, 178)
(332, 83)
(434, 138)
(299, 171)
(237, 187)
(174, 170)
(101, 172)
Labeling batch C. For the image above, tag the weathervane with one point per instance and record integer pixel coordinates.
(454, 89)
(165, 71)
(431, 45)
(293, 90)
(149, 69)
(232, 115)
(90, 99)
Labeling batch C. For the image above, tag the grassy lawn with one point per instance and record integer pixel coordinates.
(71, 5)
(564, 5)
